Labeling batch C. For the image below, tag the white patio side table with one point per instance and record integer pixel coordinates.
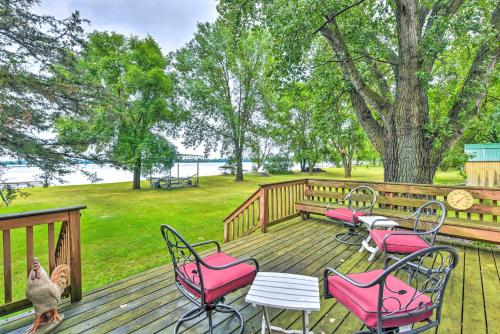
(372, 222)
(284, 291)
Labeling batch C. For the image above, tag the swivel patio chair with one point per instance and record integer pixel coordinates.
(205, 281)
(428, 220)
(385, 303)
(360, 202)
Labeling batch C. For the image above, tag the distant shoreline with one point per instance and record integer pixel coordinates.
(12, 163)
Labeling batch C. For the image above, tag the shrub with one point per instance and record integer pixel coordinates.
(278, 164)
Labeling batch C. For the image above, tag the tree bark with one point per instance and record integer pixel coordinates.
(303, 165)
(136, 183)
(347, 164)
(239, 166)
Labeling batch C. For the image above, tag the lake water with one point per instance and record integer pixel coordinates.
(109, 174)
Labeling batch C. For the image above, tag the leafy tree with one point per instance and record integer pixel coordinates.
(219, 83)
(32, 91)
(418, 70)
(342, 136)
(483, 129)
(125, 126)
(333, 117)
(279, 163)
(259, 146)
(291, 114)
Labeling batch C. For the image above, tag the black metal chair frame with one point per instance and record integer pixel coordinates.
(435, 279)
(425, 229)
(351, 232)
(183, 253)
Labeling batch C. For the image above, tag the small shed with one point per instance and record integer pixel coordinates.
(483, 166)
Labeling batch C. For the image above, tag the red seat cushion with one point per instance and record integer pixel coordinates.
(398, 242)
(218, 283)
(363, 301)
(344, 214)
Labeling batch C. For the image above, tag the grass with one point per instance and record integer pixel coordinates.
(121, 227)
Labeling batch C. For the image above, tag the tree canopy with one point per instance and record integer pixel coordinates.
(126, 125)
(398, 57)
(219, 83)
(33, 93)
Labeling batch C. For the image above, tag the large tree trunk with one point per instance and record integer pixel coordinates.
(303, 165)
(347, 164)
(239, 166)
(311, 167)
(136, 183)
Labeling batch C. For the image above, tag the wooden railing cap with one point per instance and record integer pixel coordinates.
(41, 212)
(263, 185)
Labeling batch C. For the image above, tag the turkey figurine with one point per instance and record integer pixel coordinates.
(45, 293)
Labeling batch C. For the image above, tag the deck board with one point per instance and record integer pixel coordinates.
(150, 303)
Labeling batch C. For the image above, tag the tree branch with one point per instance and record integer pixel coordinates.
(334, 37)
(334, 15)
(373, 129)
(437, 11)
(474, 89)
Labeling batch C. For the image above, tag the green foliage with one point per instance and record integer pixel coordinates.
(483, 129)
(446, 50)
(125, 125)
(278, 164)
(219, 83)
(291, 120)
(32, 90)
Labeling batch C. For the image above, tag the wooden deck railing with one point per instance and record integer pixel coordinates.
(279, 202)
(65, 250)
(270, 204)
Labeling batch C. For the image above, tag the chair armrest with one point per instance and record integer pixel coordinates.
(232, 264)
(329, 270)
(207, 243)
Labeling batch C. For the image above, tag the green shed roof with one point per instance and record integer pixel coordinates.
(483, 152)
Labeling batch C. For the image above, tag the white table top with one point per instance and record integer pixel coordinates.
(285, 291)
(371, 221)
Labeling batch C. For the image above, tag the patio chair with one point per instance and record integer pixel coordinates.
(360, 202)
(428, 220)
(205, 281)
(385, 303)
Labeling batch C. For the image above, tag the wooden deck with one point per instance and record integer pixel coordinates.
(150, 303)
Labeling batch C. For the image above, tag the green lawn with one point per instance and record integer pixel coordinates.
(121, 227)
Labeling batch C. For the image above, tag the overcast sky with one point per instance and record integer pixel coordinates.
(172, 23)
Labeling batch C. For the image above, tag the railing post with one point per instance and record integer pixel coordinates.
(264, 193)
(75, 256)
(226, 232)
(7, 264)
